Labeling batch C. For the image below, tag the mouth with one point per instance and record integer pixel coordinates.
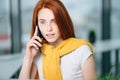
(49, 36)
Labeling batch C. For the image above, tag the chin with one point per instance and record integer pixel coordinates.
(51, 40)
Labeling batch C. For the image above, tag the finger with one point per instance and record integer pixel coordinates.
(36, 31)
(37, 43)
(38, 39)
(35, 46)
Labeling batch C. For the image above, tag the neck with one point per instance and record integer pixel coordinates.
(56, 43)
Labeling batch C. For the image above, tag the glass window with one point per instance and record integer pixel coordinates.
(4, 27)
(115, 19)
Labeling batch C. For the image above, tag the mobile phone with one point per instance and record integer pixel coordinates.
(39, 33)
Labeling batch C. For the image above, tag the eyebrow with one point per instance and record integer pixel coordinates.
(42, 19)
(45, 19)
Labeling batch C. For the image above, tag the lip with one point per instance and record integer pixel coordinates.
(49, 36)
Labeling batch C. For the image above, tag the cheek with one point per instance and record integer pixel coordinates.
(42, 30)
(58, 32)
(57, 29)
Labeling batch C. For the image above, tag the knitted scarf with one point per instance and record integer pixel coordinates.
(51, 56)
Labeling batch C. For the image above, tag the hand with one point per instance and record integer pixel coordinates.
(33, 45)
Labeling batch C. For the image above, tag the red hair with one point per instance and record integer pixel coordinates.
(62, 17)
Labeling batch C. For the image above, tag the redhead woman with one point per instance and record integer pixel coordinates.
(53, 52)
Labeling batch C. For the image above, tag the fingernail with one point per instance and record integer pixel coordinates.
(40, 45)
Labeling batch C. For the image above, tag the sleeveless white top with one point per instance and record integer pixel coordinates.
(70, 63)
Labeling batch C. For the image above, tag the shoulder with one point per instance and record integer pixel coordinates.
(81, 42)
(85, 45)
(82, 53)
(77, 57)
(83, 48)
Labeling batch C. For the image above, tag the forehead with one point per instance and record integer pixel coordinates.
(45, 13)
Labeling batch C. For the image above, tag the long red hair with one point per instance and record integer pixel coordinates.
(62, 17)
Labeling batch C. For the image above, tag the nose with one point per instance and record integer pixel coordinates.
(49, 27)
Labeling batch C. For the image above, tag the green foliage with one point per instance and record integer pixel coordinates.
(109, 76)
(92, 36)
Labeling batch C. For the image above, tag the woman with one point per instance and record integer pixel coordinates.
(56, 54)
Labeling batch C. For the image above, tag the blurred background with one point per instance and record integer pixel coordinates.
(98, 21)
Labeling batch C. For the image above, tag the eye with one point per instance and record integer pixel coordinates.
(53, 21)
(42, 22)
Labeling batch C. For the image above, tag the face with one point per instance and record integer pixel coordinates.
(48, 26)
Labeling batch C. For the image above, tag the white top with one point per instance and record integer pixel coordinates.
(70, 63)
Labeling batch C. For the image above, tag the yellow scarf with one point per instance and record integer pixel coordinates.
(51, 56)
